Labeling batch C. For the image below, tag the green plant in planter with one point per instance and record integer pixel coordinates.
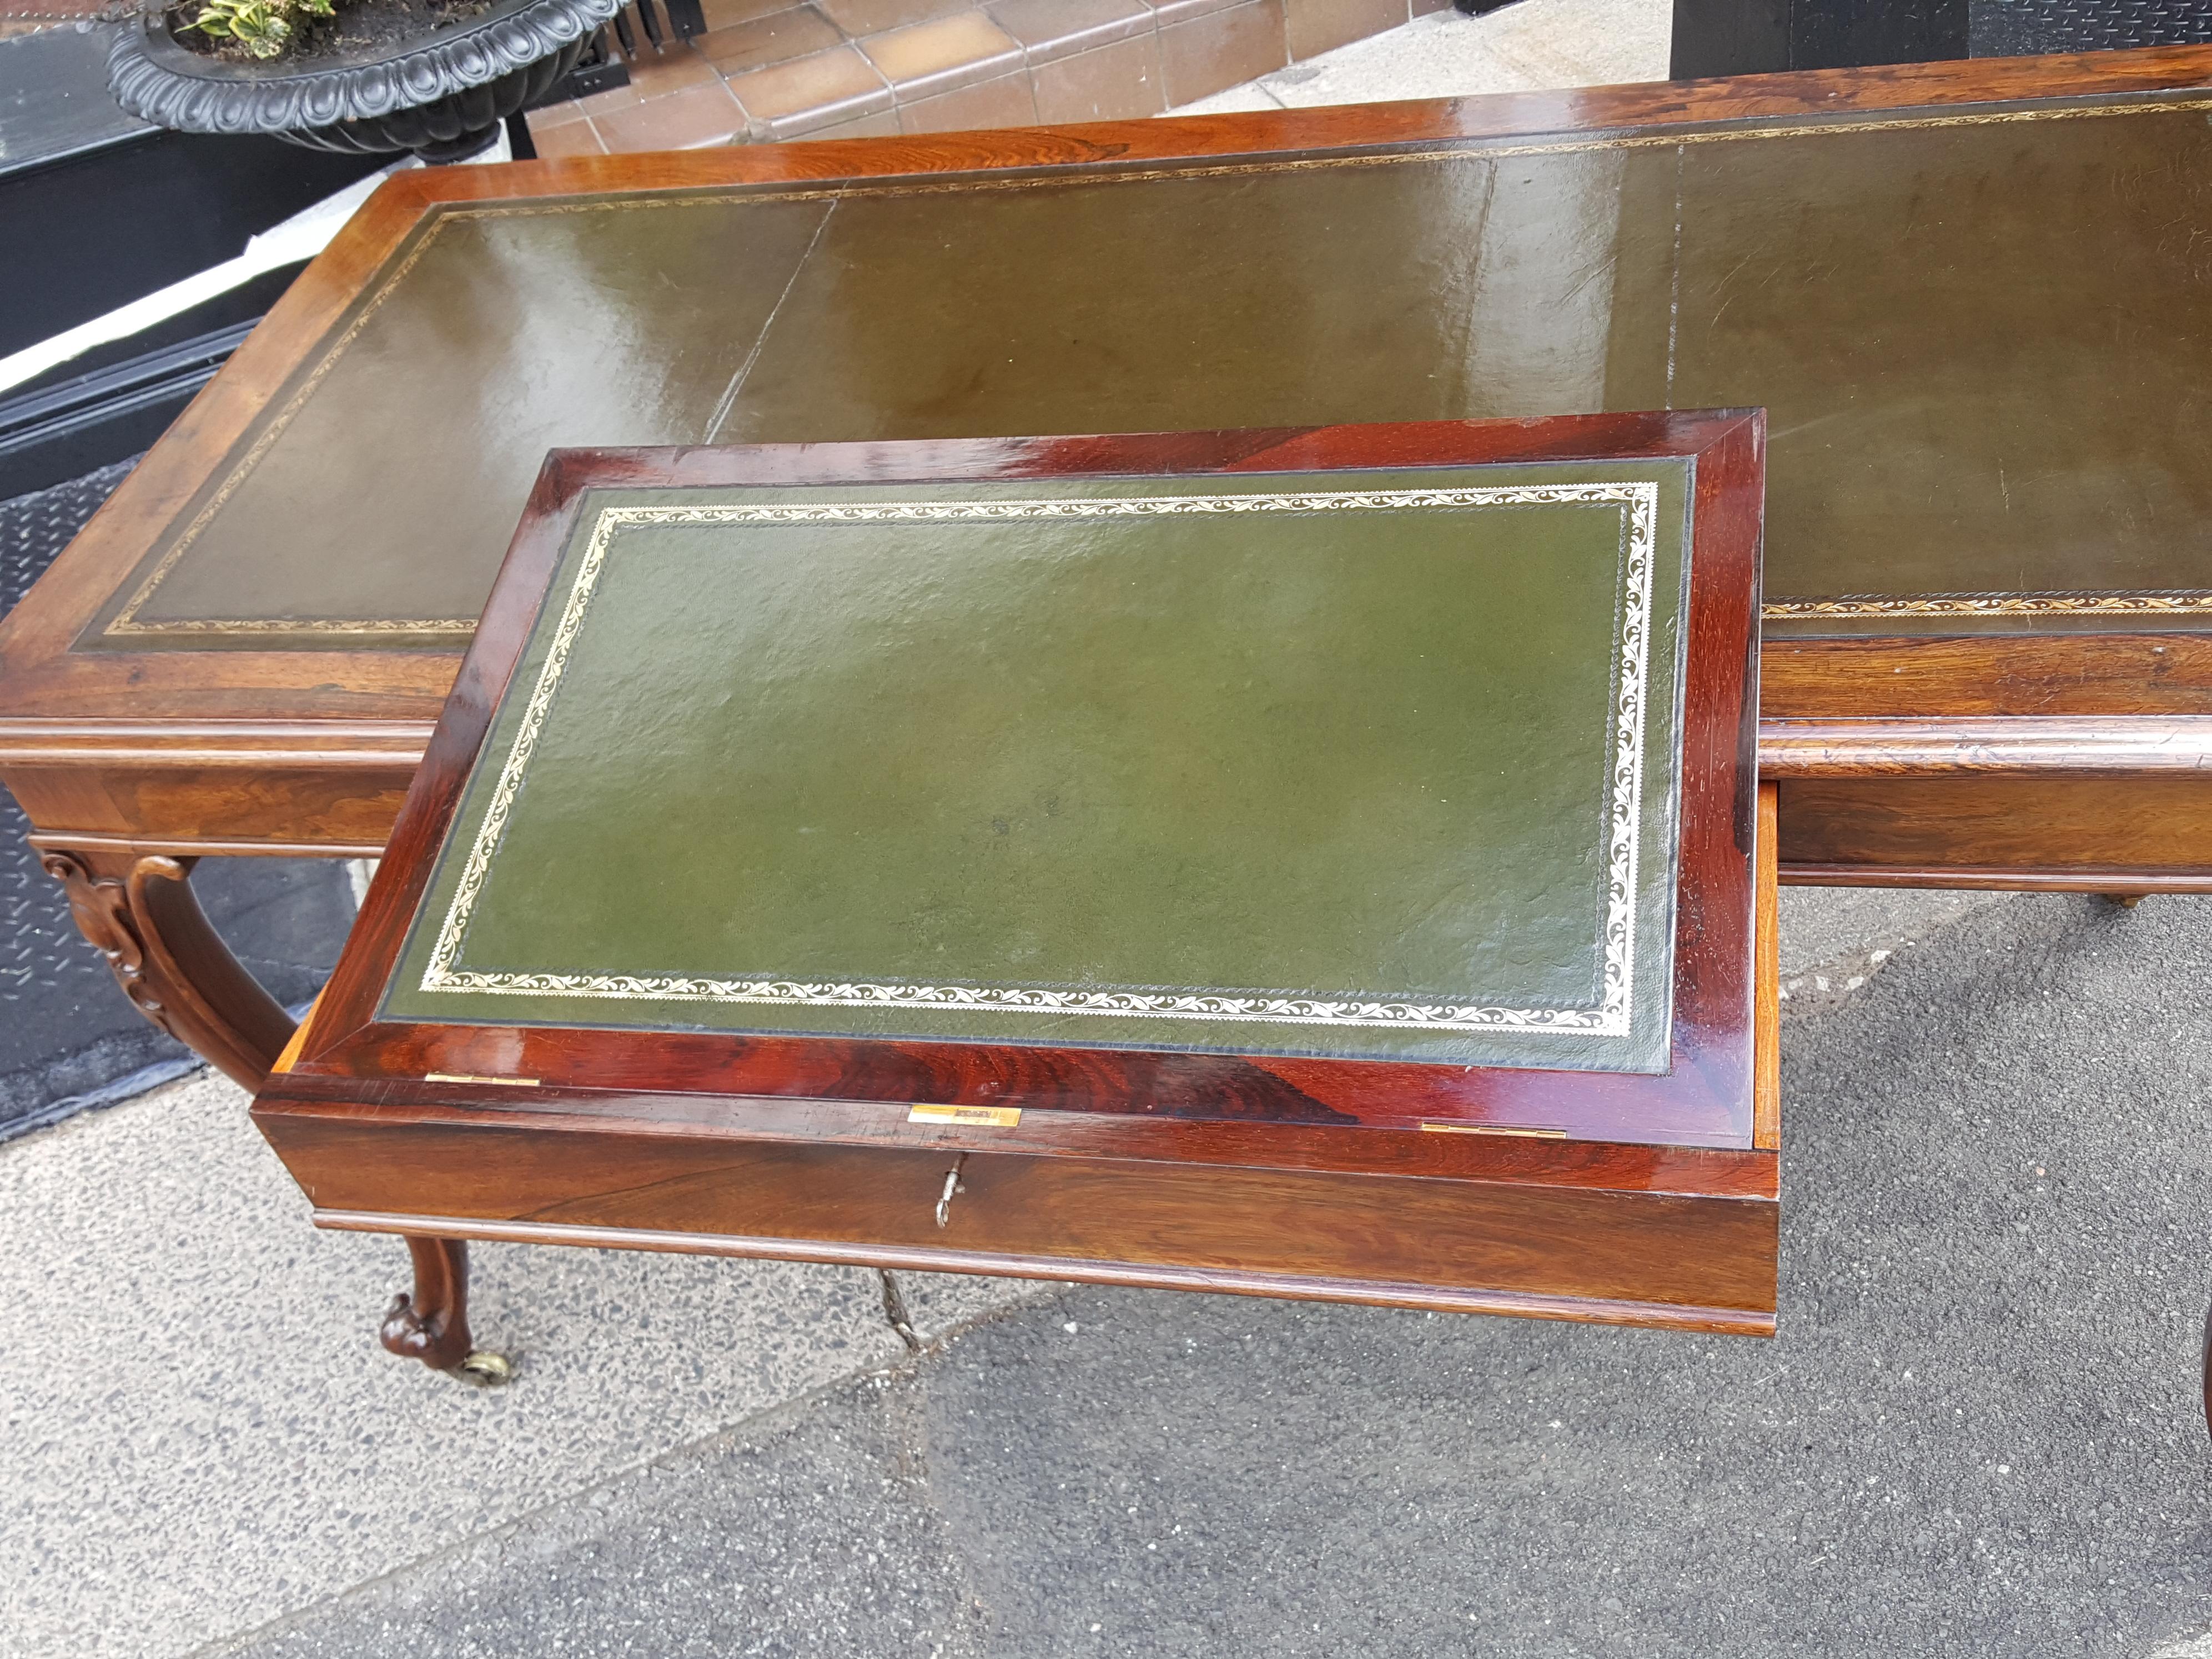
(259, 28)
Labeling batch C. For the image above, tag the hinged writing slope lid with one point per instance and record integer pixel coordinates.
(1376, 762)
(1138, 836)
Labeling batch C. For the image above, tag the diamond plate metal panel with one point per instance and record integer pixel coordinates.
(2016, 28)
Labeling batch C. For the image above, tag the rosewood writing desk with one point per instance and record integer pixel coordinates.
(1315, 862)
(1970, 295)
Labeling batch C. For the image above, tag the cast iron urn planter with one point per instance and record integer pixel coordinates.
(440, 95)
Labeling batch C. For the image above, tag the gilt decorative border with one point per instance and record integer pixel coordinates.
(126, 624)
(1639, 503)
(2161, 602)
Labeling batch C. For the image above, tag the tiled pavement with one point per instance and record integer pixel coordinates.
(769, 70)
(1526, 47)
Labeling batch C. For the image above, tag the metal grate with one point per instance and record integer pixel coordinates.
(65, 1030)
(33, 528)
(41, 952)
(2019, 28)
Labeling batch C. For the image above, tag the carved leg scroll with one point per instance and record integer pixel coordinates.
(139, 911)
(433, 1324)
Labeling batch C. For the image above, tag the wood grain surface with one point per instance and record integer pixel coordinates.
(1612, 1196)
(1705, 1099)
(146, 749)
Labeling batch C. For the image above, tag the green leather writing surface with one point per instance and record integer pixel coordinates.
(1977, 332)
(1378, 763)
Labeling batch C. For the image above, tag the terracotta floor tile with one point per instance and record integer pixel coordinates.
(569, 138)
(883, 125)
(1165, 12)
(656, 74)
(1005, 102)
(775, 38)
(1314, 26)
(1220, 49)
(926, 59)
(1051, 29)
(690, 120)
(859, 17)
(548, 116)
(607, 102)
(728, 14)
(1111, 83)
(807, 93)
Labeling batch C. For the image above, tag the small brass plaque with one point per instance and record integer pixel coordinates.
(1491, 1129)
(470, 1077)
(992, 1117)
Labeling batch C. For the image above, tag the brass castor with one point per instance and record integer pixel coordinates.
(485, 1369)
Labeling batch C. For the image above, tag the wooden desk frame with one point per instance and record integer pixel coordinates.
(1986, 761)
(1611, 1196)
(1938, 761)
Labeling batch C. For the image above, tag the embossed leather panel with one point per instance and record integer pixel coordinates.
(399, 460)
(1377, 764)
(1977, 331)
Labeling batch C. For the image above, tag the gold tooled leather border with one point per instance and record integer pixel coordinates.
(1612, 1018)
(2163, 602)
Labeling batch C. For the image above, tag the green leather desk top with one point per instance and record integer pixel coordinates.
(1379, 764)
(1979, 333)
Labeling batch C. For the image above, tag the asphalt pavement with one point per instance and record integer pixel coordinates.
(1977, 1433)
